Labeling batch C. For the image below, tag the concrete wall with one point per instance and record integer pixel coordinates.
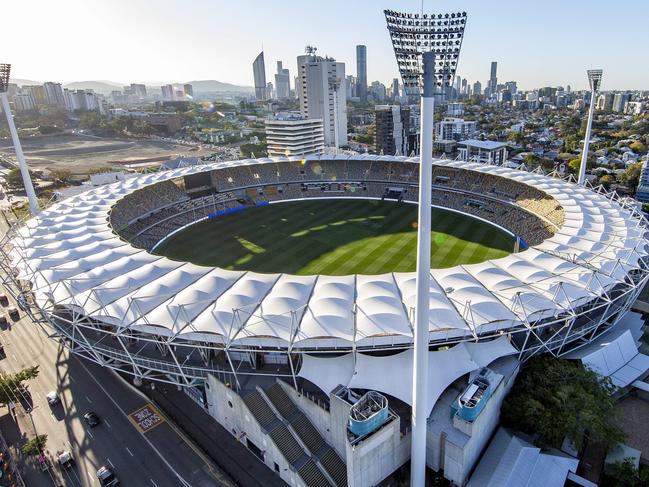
(320, 417)
(376, 457)
(227, 407)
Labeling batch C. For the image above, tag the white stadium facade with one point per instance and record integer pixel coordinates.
(313, 373)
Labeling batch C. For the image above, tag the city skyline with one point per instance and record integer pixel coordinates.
(525, 49)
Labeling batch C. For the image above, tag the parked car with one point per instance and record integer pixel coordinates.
(107, 477)
(52, 398)
(3, 319)
(66, 460)
(91, 419)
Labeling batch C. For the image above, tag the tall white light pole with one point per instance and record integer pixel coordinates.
(427, 48)
(420, 361)
(594, 80)
(5, 70)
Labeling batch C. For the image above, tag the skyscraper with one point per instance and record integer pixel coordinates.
(189, 90)
(322, 94)
(395, 88)
(493, 79)
(361, 72)
(259, 73)
(282, 82)
(477, 88)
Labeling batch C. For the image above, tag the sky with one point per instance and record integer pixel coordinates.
(536, 43)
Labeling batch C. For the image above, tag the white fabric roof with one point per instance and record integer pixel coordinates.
(71, 255)
(393, 374)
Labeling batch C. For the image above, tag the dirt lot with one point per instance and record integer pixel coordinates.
(83, 153)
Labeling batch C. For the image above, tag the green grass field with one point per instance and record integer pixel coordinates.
(334, 237)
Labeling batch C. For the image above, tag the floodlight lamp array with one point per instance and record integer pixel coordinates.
(414, 34)
(5, 70)
(595, 78)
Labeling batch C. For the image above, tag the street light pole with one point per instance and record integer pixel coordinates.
(5, 69)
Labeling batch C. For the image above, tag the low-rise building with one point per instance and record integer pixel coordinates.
(483, 151)
(292, 135)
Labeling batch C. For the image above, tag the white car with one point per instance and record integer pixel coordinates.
(52, 398)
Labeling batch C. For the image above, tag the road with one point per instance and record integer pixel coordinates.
(160, 457)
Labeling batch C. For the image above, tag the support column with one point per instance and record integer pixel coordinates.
(584, 155)
(421, 337)
(27, 181)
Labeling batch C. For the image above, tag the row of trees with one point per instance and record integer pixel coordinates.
(114, 127)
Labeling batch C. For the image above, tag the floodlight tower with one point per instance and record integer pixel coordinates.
(427, 49)
(5, 70)
(595, 81)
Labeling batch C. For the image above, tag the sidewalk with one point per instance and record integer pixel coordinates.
(229, 454)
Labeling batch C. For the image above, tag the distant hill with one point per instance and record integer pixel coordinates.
(25, 82)
(201, 86)
(104, 87)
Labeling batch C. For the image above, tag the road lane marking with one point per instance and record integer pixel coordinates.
(111, 463)
(156, 485)
(90, 434)
(108, 424)
(129, 451)
(88, 399)
(151, 445)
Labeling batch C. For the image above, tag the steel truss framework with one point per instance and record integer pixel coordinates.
(183, 362)
(414, 34)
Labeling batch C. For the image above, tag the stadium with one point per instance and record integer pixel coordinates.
(280, 293)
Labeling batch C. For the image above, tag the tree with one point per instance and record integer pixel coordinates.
(35, 446)
(624, 474)
(606, 180)
(60, 176)
(637, 146)
(11, 385)
(631, 177)
(14, 179)
(553, 399)
(89, 121)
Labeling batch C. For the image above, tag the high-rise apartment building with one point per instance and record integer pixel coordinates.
(259, 73)
(604, 102)
(619, 100)
(37, 92)
(322, 94)
(493, 79)
(455, 129)
(167, 92)
(282, 82)
(361, 72)
(138, 90)
(392, 129)
(24, 102)
(54, 94)
(189, 90)
(290, 134)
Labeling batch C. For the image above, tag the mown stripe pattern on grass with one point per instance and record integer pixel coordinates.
(334, 237)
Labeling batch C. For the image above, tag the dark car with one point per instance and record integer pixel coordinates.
(107, 477)
(91, 419)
